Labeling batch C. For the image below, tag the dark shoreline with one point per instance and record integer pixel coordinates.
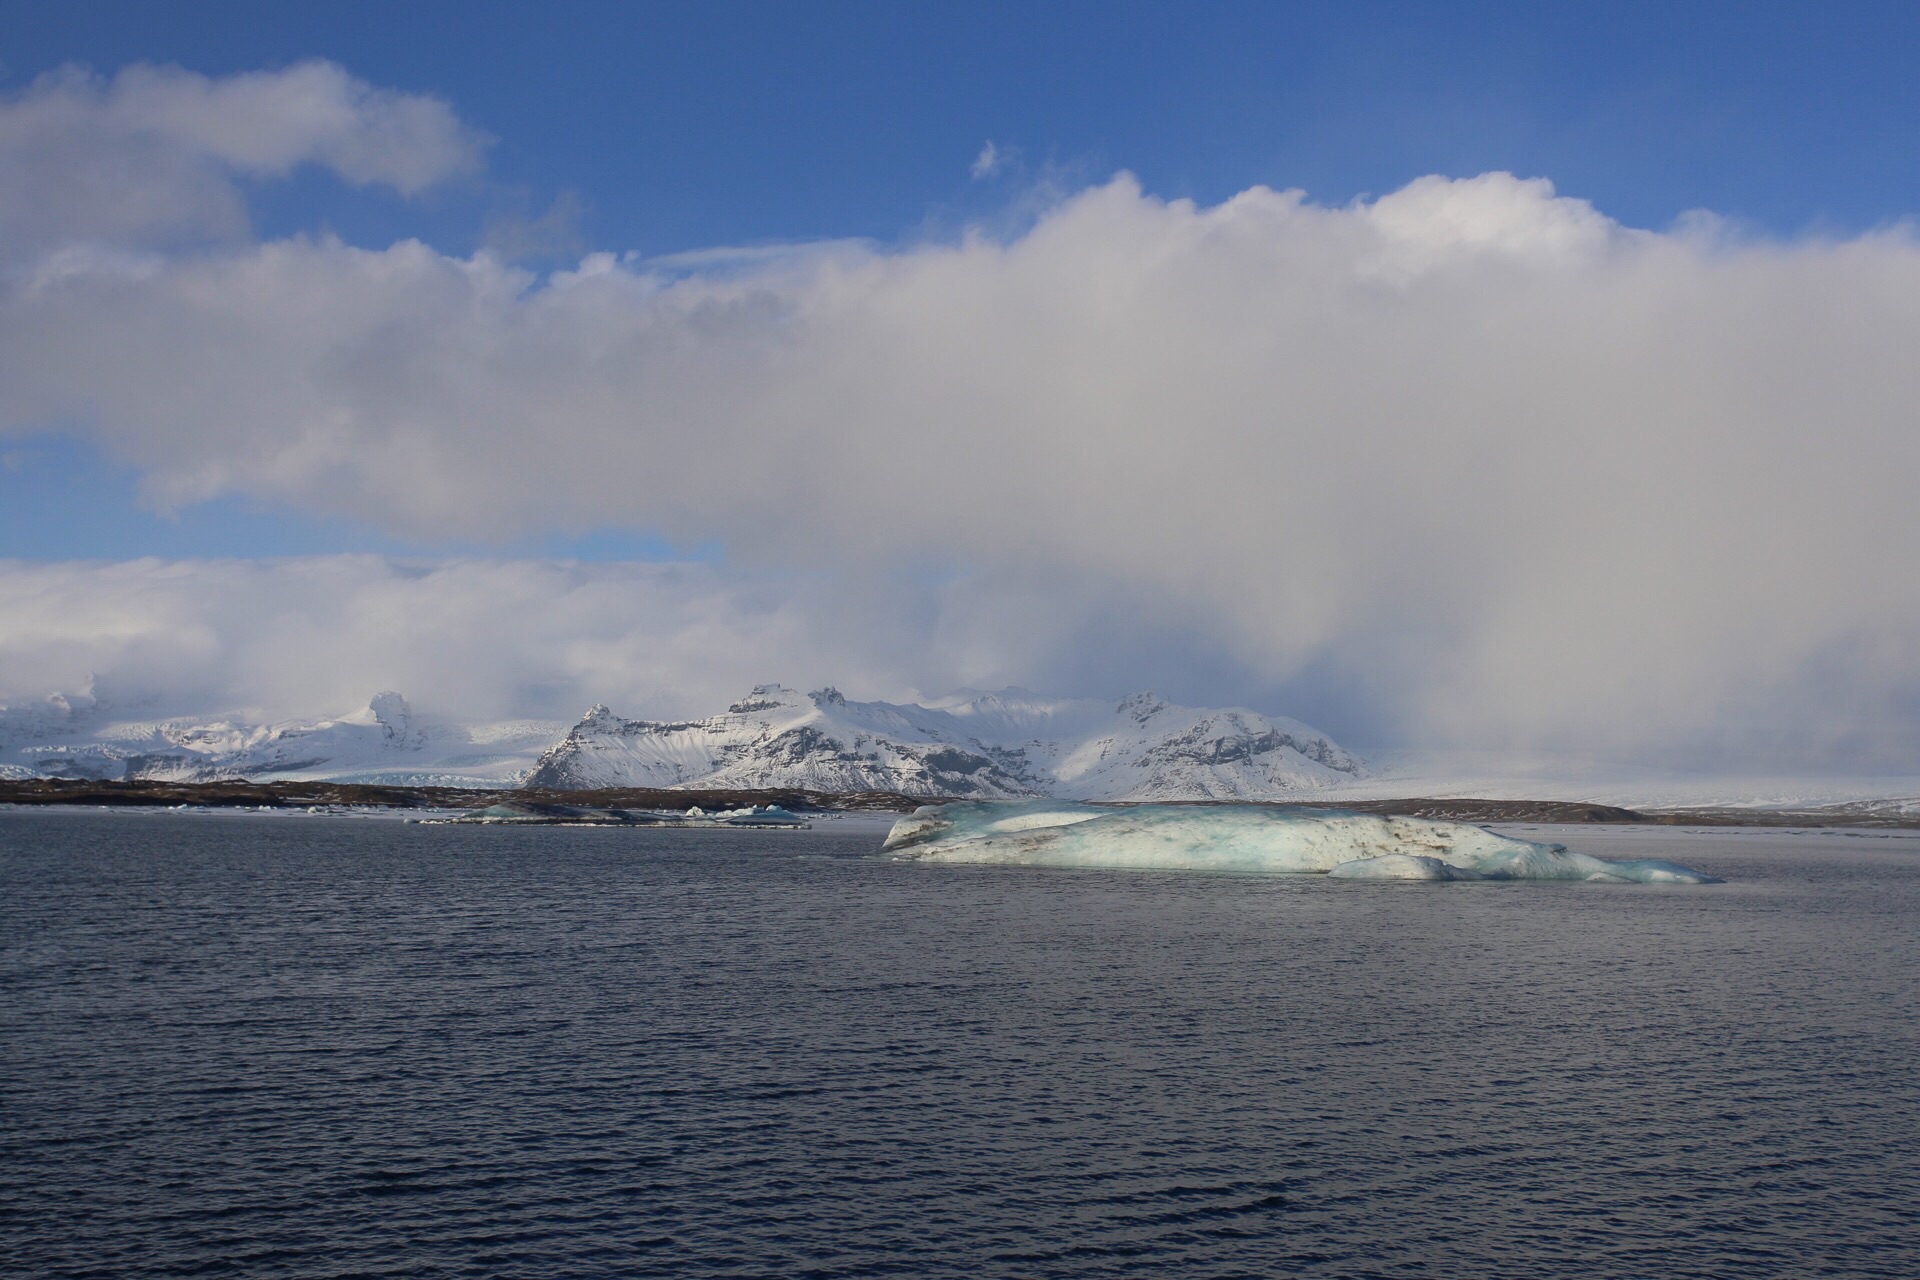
(240, 794)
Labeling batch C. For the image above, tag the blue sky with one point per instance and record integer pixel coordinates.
(679, 127)
(697, 124)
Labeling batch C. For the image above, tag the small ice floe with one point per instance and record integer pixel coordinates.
(528, 813)
(1260, 838)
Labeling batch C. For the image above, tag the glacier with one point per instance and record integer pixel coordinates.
(385, 742)
(1249, 838)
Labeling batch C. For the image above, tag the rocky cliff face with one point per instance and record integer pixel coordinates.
(775, 737)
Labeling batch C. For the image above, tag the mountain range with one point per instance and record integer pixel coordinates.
(1010, 743)
(998, 745)
(382, 742)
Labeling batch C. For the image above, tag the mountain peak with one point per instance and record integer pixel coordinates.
(393, 715)
(389, 707)
(1002, 744)
(1141, 707)
(766, 697)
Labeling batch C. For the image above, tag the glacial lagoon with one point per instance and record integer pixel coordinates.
(325, 1046)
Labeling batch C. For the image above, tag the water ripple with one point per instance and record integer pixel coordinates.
(317, 1047)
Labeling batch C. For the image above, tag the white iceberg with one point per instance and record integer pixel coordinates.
(1249, 838)
(1402, 866)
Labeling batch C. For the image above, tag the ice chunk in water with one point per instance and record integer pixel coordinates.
(1247, 838)
(1402, 866)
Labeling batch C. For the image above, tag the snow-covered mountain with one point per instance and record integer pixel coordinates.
(992, 745)
(989, 745)
(383, 742)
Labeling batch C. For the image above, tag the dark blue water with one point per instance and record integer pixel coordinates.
(333, 1047)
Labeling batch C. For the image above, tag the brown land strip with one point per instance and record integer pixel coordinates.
(301, 795)
(241, 794)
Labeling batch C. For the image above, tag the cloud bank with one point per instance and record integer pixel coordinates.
(494, 639)
(1497, 468)
(488, 639)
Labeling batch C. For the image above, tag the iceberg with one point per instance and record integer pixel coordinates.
(1402, 866)
(1249, 838)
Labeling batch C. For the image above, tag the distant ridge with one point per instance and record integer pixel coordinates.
(1003, 745)
(383, 742)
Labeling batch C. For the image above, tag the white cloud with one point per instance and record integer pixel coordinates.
(504, 638)
(151, 155)
(989, 162)
(486, 638)
(1498, 468)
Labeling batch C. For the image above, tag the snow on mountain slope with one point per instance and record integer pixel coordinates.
(775, 737)
(381, 742)
(1149, 749)
(990, 745)
(1006, 745)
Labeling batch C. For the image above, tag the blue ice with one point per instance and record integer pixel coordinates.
(1261, 838)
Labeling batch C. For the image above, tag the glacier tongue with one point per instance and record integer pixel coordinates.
(1258, 838)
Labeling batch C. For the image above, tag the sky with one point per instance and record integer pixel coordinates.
(1469, 376)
